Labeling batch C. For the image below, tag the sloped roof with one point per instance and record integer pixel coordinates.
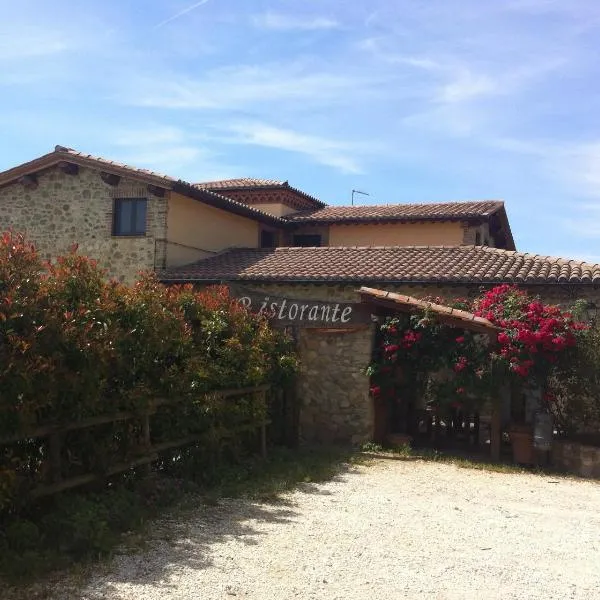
(446, 314)
(64, 154)
(397, 264)
(400, 212)
(255, 185)
(240, 182)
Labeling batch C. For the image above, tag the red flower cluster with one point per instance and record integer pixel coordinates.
(461, 364)
(533, 332)
(410, 338)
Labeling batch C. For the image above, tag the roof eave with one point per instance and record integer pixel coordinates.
(368, 220)
(268, 186)
(219, 201)
(47, 161)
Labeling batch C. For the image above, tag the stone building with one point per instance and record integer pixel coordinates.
(132, 219)
(333, 387)
(280, 241)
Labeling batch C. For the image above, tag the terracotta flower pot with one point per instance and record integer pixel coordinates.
(521, 439)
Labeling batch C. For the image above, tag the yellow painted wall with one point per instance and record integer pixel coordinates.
(396, 234)
(195, 230)
(277, 209)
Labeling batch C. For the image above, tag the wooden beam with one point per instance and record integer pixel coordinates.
(110, 178)
(68, 168)
(29, 182)
(156, 190)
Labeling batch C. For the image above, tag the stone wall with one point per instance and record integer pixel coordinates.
(332, 387)
(576, 458)
(66, 209)
(563, 295)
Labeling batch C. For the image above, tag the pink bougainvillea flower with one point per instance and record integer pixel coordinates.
(461, 364)
(503, 338)
(460, 339)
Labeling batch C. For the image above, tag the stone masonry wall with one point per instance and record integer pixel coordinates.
(65, 209)
(332, 386)
(563, 295)
(576, 458)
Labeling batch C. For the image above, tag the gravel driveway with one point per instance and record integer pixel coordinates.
(391, 529)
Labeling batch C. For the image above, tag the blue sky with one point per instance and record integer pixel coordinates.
(411, 101)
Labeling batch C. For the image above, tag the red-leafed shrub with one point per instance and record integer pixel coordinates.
(74, 345)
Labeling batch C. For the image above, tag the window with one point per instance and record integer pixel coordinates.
(129, 216)
(267, 239)
(307, 240)
(478, 239)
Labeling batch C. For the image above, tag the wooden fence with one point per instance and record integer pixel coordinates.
(149, 452)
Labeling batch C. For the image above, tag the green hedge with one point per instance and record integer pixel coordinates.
(74, 345)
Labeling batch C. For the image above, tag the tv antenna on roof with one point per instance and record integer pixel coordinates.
(358, 192)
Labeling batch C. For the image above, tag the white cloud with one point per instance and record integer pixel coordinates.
(25, 44)
(466, 85)
(241, 86)
(150, 137)
(176, 152)
(281, 22)
(340, 155)
(163, 156)
(585, 163)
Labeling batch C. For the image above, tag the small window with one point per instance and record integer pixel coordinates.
(305, 240)
(129, 216)
(267, 239)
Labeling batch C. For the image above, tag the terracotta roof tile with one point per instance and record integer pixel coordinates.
(452, 264)
(241, 182)
(111, 163)
(446, 314)
(400, 212)
(248, 183)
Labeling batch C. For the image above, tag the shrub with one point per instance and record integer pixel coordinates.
(74, 345)
(573, 390)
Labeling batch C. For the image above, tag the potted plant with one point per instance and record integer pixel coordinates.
(521, 439)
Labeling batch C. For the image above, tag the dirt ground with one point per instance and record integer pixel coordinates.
(391, 529)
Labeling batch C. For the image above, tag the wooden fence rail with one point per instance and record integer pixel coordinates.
(54, 432)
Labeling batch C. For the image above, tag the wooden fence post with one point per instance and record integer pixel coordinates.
(496, 430)
(262, 397)
(146, 440)
(54, 442)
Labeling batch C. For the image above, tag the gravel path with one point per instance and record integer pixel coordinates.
(389, 530)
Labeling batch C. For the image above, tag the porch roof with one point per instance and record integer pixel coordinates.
(445, 314)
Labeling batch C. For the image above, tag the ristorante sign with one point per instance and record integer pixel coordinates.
(283, 311)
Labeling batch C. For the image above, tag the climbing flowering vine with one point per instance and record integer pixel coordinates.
(533, 335)
(454, 368)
